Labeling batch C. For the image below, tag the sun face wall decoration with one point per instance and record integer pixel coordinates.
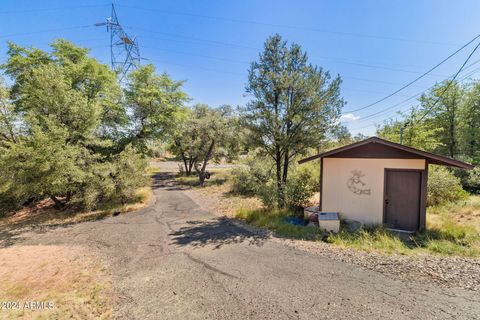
(356, 185)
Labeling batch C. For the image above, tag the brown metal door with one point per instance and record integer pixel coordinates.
(402, 199)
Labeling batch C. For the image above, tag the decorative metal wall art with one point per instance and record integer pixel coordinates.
(356, 185)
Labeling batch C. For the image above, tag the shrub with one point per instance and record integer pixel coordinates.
(244, 182)
(129, 173)
(115, 181)
(472, 181)
(443, 186)
(253, 178)
(257, 180)
(301, 186)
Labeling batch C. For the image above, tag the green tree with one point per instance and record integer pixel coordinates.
(442, 104)
(205, 134)
(469, 126)
(154, 101)
(294, 105)
(416, 133)
(9, 130)
(57, 130)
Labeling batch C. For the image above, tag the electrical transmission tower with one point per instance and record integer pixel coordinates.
(124, 51)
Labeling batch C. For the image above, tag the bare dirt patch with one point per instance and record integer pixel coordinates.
(69, 282)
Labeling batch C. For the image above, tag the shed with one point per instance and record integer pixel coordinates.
(376, 181)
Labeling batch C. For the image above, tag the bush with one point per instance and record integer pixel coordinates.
(472, 181)
(257, 180)
(301, 186)
(443, 187)
(129, 174)
(244, 182)
(115, 181)
(252, 179)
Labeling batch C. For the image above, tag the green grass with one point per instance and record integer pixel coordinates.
(374, 238)
(274, 220)
(452, 230)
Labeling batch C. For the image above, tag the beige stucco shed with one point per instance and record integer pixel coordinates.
(376, 181)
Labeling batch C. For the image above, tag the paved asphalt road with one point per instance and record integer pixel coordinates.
(175, 261)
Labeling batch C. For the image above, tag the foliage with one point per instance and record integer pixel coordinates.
(43, 165)
(472, 182)
(64, 129)
(204, 134)
(274, 219)
(301, 187)
(416, 134)
(154, 101)
(443, 186)
(294, 106)
(256, 179)
(248, 180)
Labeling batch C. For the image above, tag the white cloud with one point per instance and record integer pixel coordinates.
(349, 117)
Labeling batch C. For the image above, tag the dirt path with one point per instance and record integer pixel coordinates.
(174, 260)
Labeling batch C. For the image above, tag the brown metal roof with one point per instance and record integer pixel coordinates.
(396, 151)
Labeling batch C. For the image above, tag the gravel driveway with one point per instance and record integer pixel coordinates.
(176, 261)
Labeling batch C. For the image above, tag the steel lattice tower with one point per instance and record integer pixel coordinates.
(124, 51)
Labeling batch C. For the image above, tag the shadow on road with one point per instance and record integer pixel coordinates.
(166, 180)
(217, 232)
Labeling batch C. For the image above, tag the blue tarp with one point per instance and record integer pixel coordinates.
(295, 220)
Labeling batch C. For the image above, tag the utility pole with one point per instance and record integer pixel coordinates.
(401, 131)
(124, 50)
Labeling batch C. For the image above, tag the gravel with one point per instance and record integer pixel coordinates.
(451, 272)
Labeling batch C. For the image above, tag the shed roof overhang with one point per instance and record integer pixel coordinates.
(377, 148)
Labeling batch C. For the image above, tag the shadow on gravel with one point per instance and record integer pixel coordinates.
(217, 232)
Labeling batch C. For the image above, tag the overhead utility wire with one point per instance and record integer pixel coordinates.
(359, 35)
(450, 82)
(416, 95)
(461, 80)
(416, 79)
(54, 8)
(44, 31)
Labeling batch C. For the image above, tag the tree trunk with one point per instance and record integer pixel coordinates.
(201, 173)
(280, 195)
(58, 204)
(182, 154)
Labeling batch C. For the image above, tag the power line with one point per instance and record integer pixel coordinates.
(416, 79)
(414, 96)
(450, 82)
(44, 31)
(235, 45)
(54, 9)
(189, 38)
(243, 21)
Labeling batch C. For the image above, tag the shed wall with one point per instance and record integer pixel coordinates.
(337, 176)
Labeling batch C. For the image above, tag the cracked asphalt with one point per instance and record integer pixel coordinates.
(176, 261)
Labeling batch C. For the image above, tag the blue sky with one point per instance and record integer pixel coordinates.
(375, 46)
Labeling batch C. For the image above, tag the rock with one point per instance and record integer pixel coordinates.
(352, 225)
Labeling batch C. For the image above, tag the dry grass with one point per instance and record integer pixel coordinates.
(466, 213)
(216, 195)
(75, 283)
(44, 214)
(452, 230)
